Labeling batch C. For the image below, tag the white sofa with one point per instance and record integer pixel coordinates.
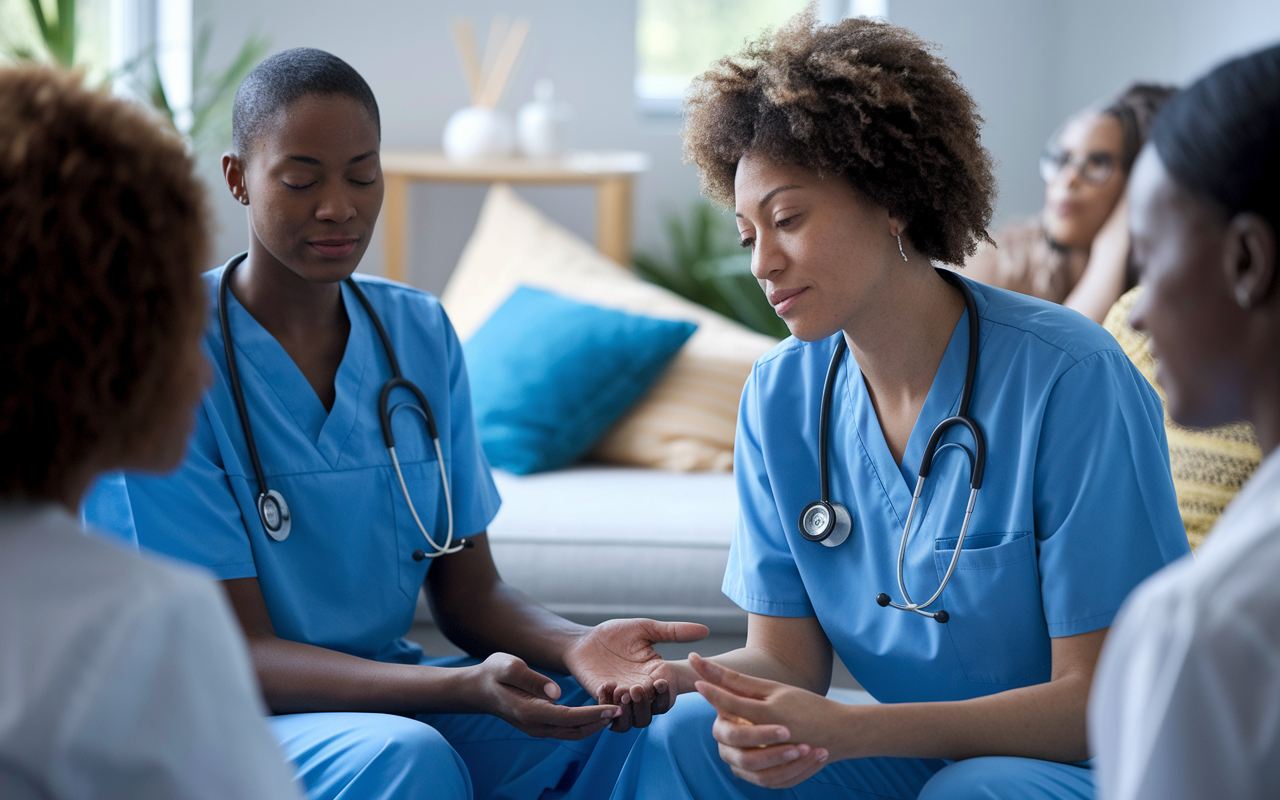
(596, 542)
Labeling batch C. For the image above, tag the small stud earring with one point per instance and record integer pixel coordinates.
(900, 250)
(1242, 298)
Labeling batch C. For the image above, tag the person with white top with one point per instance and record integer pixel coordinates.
(1186, 698)
(119, 676)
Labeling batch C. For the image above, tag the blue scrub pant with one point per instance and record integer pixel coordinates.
(363, 756)
(675, 758)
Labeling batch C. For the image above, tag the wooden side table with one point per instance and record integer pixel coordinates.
(612, 173)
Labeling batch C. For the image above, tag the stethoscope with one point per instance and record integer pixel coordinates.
(830, 523)
(272, 508)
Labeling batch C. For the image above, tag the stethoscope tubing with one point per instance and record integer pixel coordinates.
(423, 408)
(977, 459)
(233, 374)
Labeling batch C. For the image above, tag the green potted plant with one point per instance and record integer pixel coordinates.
(707, 265)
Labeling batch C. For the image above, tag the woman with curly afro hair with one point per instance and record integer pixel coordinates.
(851, 156)
(119, 676)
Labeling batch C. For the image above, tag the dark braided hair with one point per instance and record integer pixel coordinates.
(1134, 108)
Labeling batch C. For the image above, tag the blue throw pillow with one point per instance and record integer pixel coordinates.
(550, 375)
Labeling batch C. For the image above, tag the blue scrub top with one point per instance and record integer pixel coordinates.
(345, 579)
(1076, 508)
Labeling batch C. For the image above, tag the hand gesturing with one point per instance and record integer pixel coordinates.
(615, 662)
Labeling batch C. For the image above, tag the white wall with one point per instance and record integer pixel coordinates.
(1106, 43)
(1028, 63)
(1004, 52)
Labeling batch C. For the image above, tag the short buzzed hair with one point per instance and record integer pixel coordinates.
(289, 76)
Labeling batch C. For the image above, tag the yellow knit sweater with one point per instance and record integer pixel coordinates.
(1208, 466)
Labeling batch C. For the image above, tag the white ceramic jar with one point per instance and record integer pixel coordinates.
(540, 124)
(477, 132)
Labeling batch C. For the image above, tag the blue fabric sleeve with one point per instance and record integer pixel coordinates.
(1105, 509)
(192, 515)
(106, 510)
(761, 575)
(475, 496)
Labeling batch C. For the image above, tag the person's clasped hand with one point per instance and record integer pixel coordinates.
(768, 732)
(506, 687)
(616, 663)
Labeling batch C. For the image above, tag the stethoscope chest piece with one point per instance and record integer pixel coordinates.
(826, 522)
(274, 512)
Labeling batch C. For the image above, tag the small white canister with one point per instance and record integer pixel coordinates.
(540, 124)
(477, 132)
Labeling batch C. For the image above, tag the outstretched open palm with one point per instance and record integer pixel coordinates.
(615, 662)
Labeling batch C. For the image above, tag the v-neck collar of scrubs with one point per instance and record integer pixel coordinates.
(327, 429)
(943, 400)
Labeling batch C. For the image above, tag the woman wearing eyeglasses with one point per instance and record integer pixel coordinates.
(1075, 253)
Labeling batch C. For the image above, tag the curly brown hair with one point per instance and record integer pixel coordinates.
(864, 100)
(103, 226)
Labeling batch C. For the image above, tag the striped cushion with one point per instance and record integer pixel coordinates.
(686, 421)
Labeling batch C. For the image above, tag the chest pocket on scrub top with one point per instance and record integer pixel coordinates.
(997, 620)
(422, 479)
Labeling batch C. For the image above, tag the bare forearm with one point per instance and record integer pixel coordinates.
(760, 662)
(504, 619)
(1045, 721)
(1103, 280)
(299, 678)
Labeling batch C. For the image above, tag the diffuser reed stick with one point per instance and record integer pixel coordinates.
(464, 38)
(487, 78)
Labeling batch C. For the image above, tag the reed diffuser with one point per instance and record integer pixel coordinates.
(482, 130)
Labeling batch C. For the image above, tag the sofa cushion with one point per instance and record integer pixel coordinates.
(549, 375)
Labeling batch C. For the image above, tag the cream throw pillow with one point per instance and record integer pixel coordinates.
(687, 420)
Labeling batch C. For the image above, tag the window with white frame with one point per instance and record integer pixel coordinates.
(678, 39)
(143, 30)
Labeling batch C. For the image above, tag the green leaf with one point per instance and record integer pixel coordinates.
(159, 99)
(37, 11)
(57, 35)
(66, 51)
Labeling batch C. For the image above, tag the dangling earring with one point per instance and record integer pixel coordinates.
(900, 250)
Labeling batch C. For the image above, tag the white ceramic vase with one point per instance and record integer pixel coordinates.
(477, 132)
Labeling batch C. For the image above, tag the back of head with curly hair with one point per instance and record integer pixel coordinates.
(864, 100)
(102, 234)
